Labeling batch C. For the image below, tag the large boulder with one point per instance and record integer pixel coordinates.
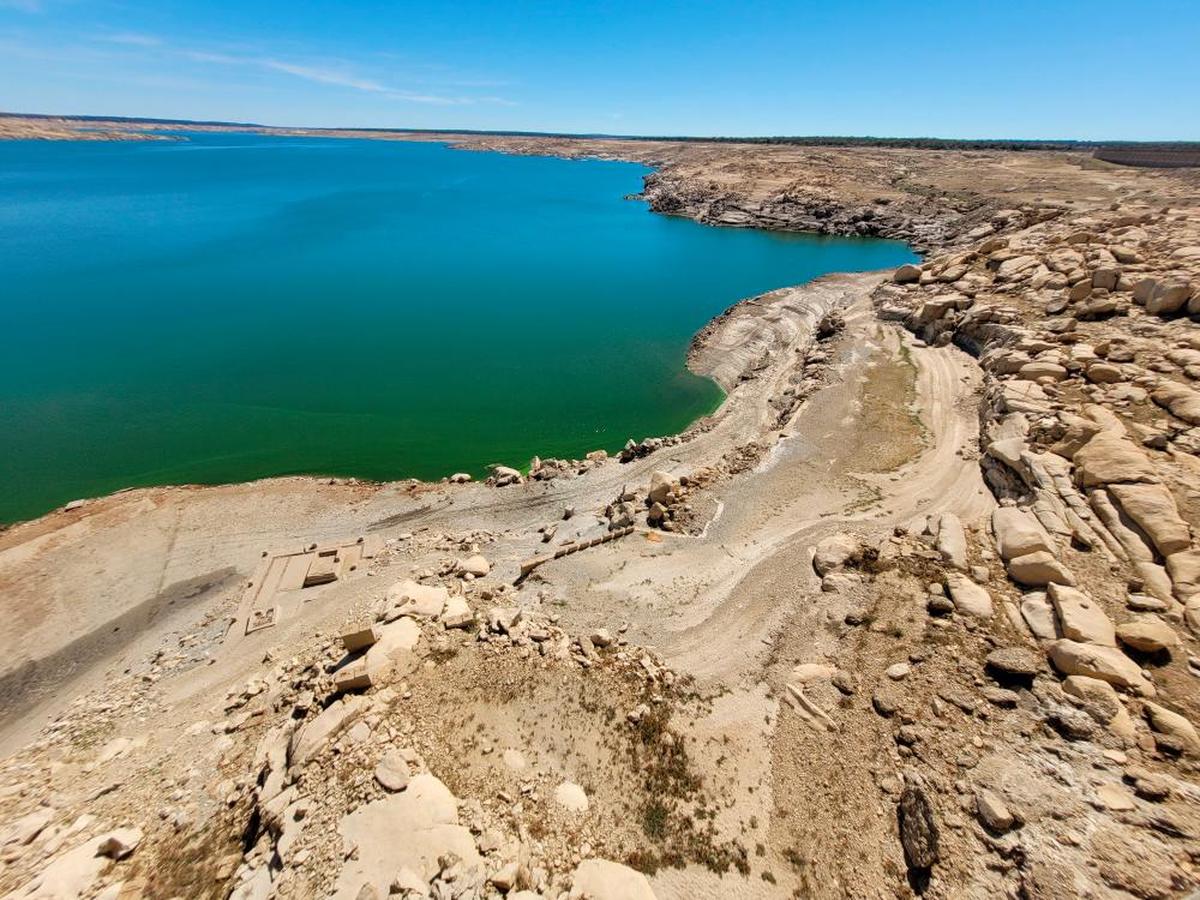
(1038, 570)
(1184, 569)
(1080, 618)
(411, 830)
(662, 485)
(969, 598)
(408, 598)
(1182, 402)
(1164, 721)
(835, 552)
(1109, 458)
(1153, 508)
(1169, 297)
(1018, 532)
(1106, 663)
(311, 738)
(599, 879)
(952, 541)
(1149, 635)
(392, 655)
(907, 274)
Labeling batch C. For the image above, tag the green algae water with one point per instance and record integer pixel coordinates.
(231, 306)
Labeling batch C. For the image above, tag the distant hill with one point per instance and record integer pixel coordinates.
(1147, 153)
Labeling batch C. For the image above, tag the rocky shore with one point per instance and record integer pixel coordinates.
(915, 612)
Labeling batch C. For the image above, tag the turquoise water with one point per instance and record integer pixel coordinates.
(237, 306)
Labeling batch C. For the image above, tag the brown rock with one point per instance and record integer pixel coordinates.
(1109, 458)
(1153, 508)
(1164, 721)
(1148, 635)
(1106, 663)
(1039, 569)
(918, 829)
(1080, 618)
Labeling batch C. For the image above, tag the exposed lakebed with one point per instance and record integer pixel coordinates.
(235, 306)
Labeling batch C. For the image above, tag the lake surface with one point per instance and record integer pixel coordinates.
(236, 306)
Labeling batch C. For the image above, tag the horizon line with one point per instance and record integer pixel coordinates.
(814, 138)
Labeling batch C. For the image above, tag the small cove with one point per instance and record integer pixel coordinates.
(236, 306)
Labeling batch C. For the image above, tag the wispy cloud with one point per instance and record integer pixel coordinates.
(131, 39)
(340, 75)
(333, 72)
(325, 76)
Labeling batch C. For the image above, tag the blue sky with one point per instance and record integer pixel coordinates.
(1051, 69)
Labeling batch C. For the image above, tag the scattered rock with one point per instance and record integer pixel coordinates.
(571, 796)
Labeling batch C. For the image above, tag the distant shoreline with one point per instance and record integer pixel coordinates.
(125, 127)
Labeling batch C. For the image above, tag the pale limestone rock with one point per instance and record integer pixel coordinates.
(1184, 569)
(599, 879)
(69, 875)
(1182, 402)
(1081, 618)
(1115, 798)
(661, 485)
(969, 598)
(1149, 635)
(835, 551)
(952, 541)
(408, 598)
(392, 772)
(1153, 508)
(1106, 663)
(804, 673)
(476, 566)
(1168, 297)
(571, 796)
(392, 656)
(411, 829)
(1164, 721)
(1018, 533)
(23, 830)
(1039, 569)
(1038, 613)
(993, 811)
(311, 738)
(457, 613)
(1043, 369)
(1108, 458)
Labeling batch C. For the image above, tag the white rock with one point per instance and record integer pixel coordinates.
(1080, 618)
(599, 879)
(952, 541)
(457, 613)
(408, 598)
(969, 598)
(411, 829)
(392, 772)
(476, 565)
(571, 796)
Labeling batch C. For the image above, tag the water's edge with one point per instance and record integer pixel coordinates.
(698, 340)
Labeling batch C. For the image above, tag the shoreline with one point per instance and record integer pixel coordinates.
(695, 344)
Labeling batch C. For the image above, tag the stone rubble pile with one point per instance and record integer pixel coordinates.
(1089, 443)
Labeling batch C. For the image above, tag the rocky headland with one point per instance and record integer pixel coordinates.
(915, 611)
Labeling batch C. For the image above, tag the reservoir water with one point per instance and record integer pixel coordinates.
(233, 306)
